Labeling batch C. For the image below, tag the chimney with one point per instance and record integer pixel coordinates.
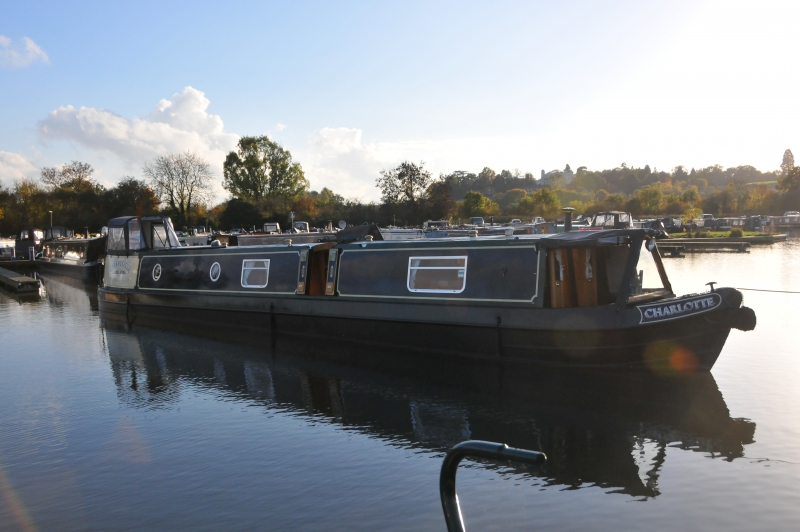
(567, 218)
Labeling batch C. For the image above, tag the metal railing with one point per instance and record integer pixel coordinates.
(474, 449)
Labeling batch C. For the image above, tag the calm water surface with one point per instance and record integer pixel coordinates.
(103, 428)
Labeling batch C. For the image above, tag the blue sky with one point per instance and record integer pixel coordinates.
(354, 87)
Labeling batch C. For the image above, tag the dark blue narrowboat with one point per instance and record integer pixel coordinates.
(589, 299)
(63, 254)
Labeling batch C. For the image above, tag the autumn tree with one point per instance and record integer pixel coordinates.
(260, 168)
(182, 181)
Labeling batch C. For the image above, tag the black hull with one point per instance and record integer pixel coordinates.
(676, 346)
(83, 272)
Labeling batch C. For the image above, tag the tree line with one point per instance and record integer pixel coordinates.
(266, 184)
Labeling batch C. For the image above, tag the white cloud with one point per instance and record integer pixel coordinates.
(15, 166)
(280, 127)
(20, 55)
(337, 158)
(179, 124)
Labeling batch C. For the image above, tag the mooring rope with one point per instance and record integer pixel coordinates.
(775, 291)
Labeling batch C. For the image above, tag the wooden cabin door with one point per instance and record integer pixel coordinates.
(573, 274)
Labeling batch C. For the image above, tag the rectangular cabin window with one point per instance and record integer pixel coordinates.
(255, 273)
(116, 239)
(447, 275)
(135, 239)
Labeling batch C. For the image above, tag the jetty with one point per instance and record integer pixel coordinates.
(15, 282)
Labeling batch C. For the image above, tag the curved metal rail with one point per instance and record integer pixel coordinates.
(474, 449)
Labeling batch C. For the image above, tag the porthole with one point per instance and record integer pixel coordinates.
(156, 272)
(216, 269)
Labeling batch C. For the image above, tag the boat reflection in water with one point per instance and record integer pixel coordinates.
(65, 291)
(597, 429)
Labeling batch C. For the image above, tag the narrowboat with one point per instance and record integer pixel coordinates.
(63, 254)
(587, 299)
(28, 243)
(789, 220)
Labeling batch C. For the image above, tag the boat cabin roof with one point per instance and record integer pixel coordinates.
(571, 239)
(132, 233)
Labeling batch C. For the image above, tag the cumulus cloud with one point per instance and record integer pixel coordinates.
(15, 166)
(20, 54)
(280, 127)
(181, 123)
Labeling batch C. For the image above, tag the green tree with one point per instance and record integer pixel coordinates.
(691, 195)
(650, 199)
(543, 202)
(261, 167)
(407, 183)
(438, 199)
(240, 213)
(791, 181)
(476, 204)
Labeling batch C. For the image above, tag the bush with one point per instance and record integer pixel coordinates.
(736, 233)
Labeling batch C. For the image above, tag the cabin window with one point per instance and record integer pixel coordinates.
(135, 239)
(437, 274)
(255, 273)
(646, 278)
(160, 237)
(24, 234)
(116, 239)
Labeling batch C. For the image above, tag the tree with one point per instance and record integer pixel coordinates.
(543, 202)
(476, 204)
(438, 199)
(130, 197)
(182, 181)
(261, 167)
(691, 195)
(75, 175)
(788, 162)
(407, 183)
(791, 181)
(240, 213)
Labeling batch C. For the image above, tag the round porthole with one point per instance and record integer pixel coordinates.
(156, 272)
(215, 271)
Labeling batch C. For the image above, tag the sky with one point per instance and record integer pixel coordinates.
(351, 88)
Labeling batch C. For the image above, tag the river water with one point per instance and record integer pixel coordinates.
(103, 427)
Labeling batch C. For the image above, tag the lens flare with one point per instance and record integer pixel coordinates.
(667, 358)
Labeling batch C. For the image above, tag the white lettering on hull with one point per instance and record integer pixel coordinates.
(679, 309)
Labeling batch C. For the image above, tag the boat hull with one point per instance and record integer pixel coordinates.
(84, 272)
(595, 338)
